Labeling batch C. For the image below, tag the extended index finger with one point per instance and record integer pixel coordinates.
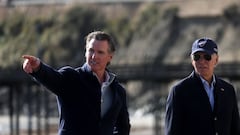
(30, 57)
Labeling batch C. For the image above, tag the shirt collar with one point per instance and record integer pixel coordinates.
(109, 75)
(212, 83)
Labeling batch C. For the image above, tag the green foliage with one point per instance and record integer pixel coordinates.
(171, 13)
(55, 38)
(14, 25)
(58, 37)
(232, 14)
(121, 30)
(146, 19)
(125, 28)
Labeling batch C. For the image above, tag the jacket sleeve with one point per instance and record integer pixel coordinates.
(173, 118)
(235, 128)
(123, 123)
(53, 79)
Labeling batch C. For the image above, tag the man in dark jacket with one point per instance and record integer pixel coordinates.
(90, 99)
(202, 103)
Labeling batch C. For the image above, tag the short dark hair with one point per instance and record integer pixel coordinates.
(100, 35)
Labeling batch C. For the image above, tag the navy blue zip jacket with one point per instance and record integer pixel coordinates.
(79, 97)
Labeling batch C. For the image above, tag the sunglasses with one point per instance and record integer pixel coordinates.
(197, 57)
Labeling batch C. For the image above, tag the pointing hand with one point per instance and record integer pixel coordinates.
(31, 63)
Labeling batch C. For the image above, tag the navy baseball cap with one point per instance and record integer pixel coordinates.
(206, 45)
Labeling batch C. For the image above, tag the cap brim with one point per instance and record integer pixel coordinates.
(202, 50)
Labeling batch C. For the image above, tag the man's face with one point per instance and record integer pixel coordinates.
(97, 55)
(204, 64)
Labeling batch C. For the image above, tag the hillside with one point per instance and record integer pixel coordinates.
(166, 40)
(162, 45)
(170, 40)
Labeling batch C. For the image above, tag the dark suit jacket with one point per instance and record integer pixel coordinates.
(79, 97)
(188, 110)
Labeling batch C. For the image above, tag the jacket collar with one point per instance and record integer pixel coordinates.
(195, 75)
(87, 68)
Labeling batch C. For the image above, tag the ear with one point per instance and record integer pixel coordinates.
(110, 58)
(192, 63)
(217, 59)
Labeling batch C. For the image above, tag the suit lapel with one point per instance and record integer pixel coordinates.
(202, 92)
(218, 95)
